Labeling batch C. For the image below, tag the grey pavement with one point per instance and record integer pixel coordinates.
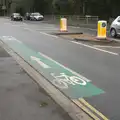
(21, 98)
(102, 68)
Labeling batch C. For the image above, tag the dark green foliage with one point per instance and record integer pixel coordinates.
(102, 8)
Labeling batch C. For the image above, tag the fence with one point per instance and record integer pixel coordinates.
(79, 19)
(75, 20)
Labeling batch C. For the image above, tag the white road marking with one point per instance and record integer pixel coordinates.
(29, 29)
(7, 23)
(10, 38)
(46, 29)
(48, 34)
(73, 27)
(106, 46)
(25, 24)
(98, 49)
(39, 62)
(16, 25)
(83, 28)
(41, 32)
(35, 30)
(87, 80)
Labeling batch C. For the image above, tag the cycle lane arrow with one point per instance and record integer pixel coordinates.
(40, 62)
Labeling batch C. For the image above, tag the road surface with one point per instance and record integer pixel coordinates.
(21, 98)
(100, 65)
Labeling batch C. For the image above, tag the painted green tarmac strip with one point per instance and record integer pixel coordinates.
(48, 68)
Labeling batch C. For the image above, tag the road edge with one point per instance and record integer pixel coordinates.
(73, 110)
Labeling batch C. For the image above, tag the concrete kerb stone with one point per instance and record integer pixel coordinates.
(68, 105)
(67, 33)
(88, 40)
(107, 40)
(116, 40)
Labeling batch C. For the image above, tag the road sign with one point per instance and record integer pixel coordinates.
(67, 81)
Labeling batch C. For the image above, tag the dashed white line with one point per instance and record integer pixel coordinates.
(98, 49)
(7, 23)
(84, 78)
(29, 29)
(91, 29)
(46, 29)
(48, 34)
(37, 30)
(10, 38)
(83, 28)
(25, 24)
(106, 46)
(41, 32)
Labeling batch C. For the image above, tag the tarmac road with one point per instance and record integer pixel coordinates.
(21, 98)
(100, 65)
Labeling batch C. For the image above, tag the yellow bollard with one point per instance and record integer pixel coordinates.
(63, 25)
(102, 30)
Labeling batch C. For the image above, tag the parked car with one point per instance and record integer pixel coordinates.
(16, 17)
(36, 16)
(115, 27)
(27, 16)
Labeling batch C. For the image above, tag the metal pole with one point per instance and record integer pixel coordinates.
(83, 8)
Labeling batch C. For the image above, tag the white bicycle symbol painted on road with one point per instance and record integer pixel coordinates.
(62, 81)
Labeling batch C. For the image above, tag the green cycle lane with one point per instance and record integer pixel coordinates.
(68, 82)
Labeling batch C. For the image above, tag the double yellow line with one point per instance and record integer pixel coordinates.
(90, 110)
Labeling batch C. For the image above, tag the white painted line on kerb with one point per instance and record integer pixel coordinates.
(106, 46)
(84, 78)
(98, 49)
(48, 34)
